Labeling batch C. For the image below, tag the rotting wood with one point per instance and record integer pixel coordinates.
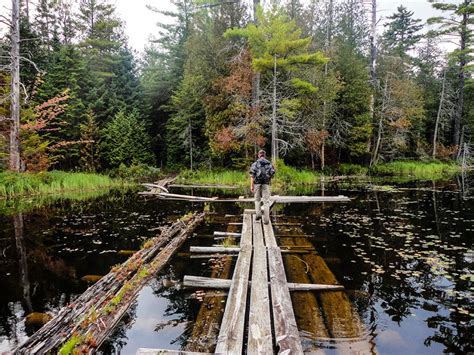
(286, 330)
(86, 311)
(208, 186)
(259, 327)
(231, 334)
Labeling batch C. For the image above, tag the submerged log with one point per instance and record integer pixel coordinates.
(206, 327)
(308, 317)
(96, 307)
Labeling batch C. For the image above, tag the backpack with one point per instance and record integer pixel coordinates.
(264, 171)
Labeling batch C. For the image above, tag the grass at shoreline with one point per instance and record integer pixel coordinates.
(53, 182)
(287, 175)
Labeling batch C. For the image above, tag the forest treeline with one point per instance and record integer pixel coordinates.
(310, 81)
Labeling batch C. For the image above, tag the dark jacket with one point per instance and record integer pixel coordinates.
(262, 171)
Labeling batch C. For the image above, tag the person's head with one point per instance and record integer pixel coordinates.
(261, 154)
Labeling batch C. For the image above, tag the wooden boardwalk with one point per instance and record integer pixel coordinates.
(259, 316)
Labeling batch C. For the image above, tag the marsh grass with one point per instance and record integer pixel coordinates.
(284, 175)
(54, 182)
(417, 169)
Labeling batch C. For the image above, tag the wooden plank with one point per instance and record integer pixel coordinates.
(211, 282)
(259, 328)
(206, 282)
(147, 351)
(228, 233)
(286, 330)
(195, 249)
(231, 334)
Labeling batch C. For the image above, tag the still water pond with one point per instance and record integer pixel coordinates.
(404, 254)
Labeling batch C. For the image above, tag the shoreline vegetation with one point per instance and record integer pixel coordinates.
(287, 175)
(14, 185)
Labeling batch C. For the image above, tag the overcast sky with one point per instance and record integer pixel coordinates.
(140, 22)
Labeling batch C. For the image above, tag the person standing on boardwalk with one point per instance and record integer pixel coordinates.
(261, 174)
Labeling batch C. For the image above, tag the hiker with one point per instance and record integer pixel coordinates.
(261, 173)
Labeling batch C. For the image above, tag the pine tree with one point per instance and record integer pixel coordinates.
(90, 143)
(402, 33)
(125, 141)
(279, 51)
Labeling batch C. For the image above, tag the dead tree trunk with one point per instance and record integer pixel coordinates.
(372, 64)
(438, 116)
(274, 113)
(378, 142)
(15, 88)
(461, 78)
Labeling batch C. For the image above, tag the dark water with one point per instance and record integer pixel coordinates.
(404, 253)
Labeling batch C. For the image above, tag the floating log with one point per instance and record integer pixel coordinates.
(204, 186)
(73, 319)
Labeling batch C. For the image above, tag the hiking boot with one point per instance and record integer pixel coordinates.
(266, 215)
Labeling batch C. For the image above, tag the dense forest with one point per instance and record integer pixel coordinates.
(316, 83)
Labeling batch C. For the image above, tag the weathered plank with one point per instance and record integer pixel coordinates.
(206, 282)
(259, 328)
(286, 330)
(211, 282)
(228, 234)
(196, 249)
(231, 334)
(146, 351)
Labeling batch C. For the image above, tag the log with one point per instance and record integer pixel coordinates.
(204, 186)
(224, 284)
(146, 351)
(286, 330)
(72, 319)
(228, 234)
(259, 327)
(231, 334)
(306, 306)
(214, 249)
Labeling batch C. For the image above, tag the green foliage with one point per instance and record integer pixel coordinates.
(125, 141)
(90, 136)
(352, 169)
(420, 170)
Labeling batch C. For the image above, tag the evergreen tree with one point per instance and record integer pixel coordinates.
(125, 141)
(90, 143)
(402, 33)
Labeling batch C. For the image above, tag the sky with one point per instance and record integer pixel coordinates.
(140, 23)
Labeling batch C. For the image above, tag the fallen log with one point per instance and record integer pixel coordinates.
(94, 307)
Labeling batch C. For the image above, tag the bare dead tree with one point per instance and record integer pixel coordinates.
(15, 88)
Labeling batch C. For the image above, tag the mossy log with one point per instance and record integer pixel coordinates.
(87, 310)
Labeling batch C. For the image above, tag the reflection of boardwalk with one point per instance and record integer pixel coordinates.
(259, 317)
